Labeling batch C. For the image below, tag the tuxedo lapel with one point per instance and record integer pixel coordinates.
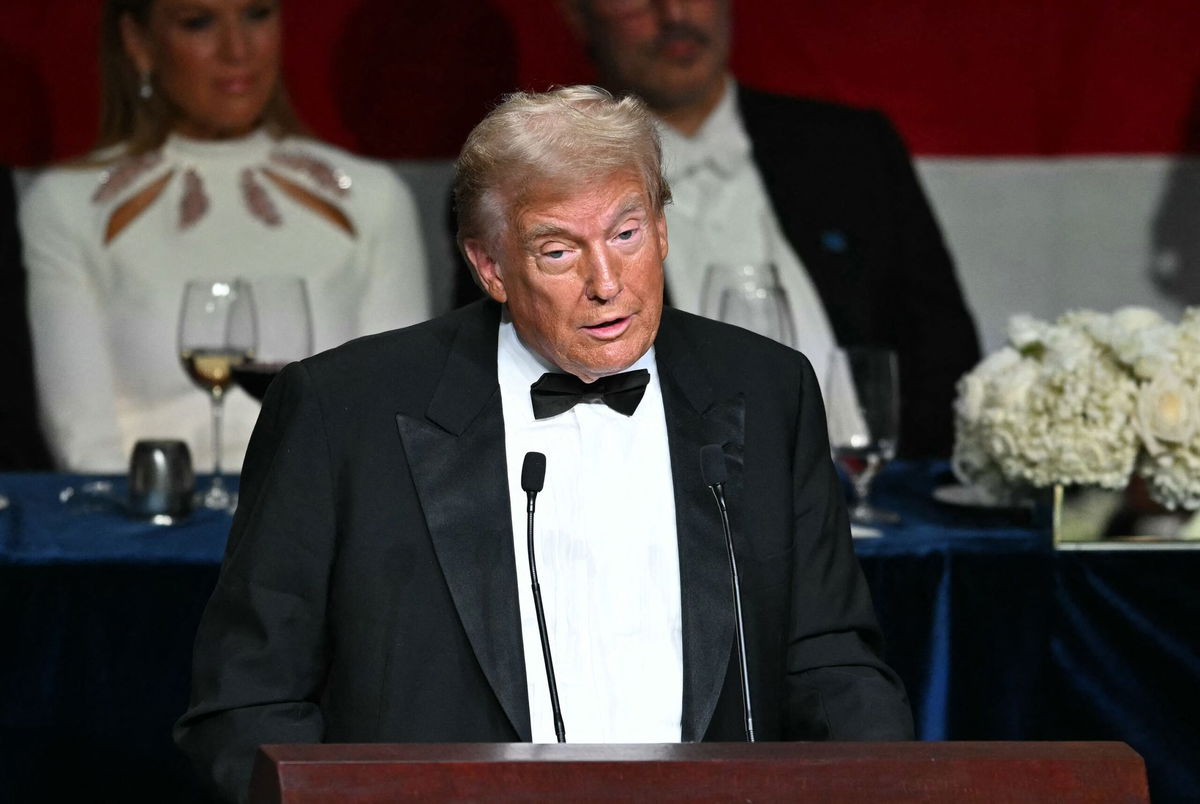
(457, 459)
(696, 417)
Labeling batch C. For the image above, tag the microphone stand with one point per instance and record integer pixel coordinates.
(533, 474)
(713, 464)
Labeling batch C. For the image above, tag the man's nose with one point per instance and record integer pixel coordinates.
(673, 10)
(604, 277)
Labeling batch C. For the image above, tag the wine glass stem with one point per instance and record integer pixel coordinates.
(218, 415)
(862, 483)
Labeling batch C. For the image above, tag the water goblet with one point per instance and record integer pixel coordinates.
(749, 295)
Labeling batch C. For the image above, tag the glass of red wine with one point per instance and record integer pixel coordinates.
(862, 396)
(217, 333)
(284, 318)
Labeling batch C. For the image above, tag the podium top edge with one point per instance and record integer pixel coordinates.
(693, 752)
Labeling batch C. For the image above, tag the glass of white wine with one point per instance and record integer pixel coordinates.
(862, 393)
(217, 331)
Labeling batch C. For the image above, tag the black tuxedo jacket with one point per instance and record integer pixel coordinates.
(844, 191)
(369, 587)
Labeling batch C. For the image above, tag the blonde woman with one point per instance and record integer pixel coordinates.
(201, 171)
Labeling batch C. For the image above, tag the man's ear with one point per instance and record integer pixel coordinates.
(487, 271)
(137, 45)
(660, 226)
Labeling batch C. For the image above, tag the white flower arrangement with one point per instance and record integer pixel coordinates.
(1086, 401)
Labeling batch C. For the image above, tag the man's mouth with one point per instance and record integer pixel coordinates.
(609, 328)
(681, 42)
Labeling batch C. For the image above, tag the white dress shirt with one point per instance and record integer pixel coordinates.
(721, 214)
(607, 559)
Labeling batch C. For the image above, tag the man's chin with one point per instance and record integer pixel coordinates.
(686, 91)
(595, 369)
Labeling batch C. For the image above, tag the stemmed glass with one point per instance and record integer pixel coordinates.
(284, 319)
(217, 331)
(750, 296)
(863, 409)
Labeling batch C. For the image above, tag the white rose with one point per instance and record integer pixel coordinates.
(1166, 411)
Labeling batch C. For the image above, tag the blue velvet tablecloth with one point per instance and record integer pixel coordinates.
(995, 634)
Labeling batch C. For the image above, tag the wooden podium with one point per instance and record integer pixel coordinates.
(839, 772)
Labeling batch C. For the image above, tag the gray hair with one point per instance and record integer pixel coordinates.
(567, 134)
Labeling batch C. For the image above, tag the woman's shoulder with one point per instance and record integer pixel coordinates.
(78, 177)
(82, 179)
(61, 196)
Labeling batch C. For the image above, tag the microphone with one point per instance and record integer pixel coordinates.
(533, 476)
(714, 472)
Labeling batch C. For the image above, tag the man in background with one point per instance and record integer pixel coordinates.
(824, 192)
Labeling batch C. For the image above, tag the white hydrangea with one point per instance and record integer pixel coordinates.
(1081, 401)
(1139, 337)
(1054, 407)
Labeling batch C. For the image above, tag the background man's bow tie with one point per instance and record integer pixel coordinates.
(557, 393)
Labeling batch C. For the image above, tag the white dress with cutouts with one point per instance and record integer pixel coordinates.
(104, 300)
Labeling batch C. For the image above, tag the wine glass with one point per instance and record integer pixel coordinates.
(284, 319)
(750, 296)
(217, 331)
(863, 410)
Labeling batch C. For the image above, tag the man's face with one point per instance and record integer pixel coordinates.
(581, 272)
(673, 53)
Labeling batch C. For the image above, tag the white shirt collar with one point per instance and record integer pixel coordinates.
(721, 144)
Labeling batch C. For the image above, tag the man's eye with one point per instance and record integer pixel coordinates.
(260, 12)
(627, 234)
(196, 23)
(556, 254)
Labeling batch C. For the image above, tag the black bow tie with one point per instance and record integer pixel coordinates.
(557, 393)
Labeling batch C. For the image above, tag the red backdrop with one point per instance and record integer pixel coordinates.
(407, 78)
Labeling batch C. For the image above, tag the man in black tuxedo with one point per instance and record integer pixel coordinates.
(21, 444)
(374, 588)
(830, 189)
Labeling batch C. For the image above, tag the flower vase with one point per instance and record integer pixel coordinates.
(1093, 514)
(1082, 513)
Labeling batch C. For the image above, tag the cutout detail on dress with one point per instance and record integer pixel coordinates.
(307, 198)
(258, 201)
(128, 211)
